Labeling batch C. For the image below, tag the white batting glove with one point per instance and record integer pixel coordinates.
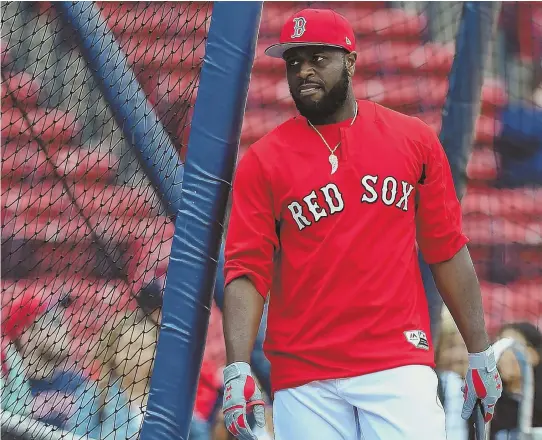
(483, 383)
(241, 395)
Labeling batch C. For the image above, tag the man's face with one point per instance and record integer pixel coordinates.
(319, 79)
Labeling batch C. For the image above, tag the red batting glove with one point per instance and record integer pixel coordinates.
(483, 383)
(240, 396)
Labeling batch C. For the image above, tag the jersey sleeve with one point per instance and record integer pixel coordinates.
(251, 239)
(438, 218)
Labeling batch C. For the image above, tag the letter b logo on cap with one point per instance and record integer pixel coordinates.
(299, 27)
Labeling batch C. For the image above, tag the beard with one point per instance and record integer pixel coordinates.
(319, 111)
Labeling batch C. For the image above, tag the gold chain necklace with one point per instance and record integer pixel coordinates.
(333, 159)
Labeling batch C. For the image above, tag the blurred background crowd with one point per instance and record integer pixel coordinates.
(85, 243)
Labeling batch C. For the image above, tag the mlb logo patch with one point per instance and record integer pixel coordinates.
(418, 338)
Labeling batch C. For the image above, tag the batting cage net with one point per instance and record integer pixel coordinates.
(87, 226)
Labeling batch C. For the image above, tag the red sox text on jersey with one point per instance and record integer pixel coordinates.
(328, 200)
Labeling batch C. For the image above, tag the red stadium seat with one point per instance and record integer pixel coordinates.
(486, 127)
(166, 53)
(43, 199)
(138, 202)
(26, 226)
(80, 164)
(53, 126)
(482, 166)
(40, 221)
(405, 57)
(13, 289)
(26, 159)
(269, 90)
(23, 160)
(511, 303)
(403, 93)
(267, 65)
(169, 87)
(155, 20)
(494, 95)
(13, 123)
(20, 89)
(431, 58)
(513, 204)
(110, 209)
(259, 122)
(389, 23)
(492, 230)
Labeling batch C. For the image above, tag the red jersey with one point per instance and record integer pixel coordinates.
(337, 253)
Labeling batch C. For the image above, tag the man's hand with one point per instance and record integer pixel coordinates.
(483, 383)
(240, 396)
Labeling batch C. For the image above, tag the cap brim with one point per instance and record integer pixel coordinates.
(277, 50)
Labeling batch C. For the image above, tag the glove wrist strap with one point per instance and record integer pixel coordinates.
(235, 370)
(483, 361)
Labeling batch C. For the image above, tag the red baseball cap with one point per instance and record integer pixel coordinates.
(314, 27)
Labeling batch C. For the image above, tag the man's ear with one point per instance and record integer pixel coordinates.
(351, 63)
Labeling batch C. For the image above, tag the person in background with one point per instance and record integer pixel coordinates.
(451, 364)
(506, 410)
(54, 378)
(210, 382)
(41, 363)
(126, 352)
(16, 392)
(59, 394)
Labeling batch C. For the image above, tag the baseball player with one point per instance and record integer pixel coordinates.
(329, 210)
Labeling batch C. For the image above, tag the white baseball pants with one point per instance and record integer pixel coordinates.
(396, 404)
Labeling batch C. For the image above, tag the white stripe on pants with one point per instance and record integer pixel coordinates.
(396, 404)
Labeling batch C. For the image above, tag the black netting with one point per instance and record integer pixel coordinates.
(85, 240)
(84, 233)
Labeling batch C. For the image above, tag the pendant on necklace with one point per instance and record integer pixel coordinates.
(334, 161)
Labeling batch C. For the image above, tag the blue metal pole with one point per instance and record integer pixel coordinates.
(214, 140)
(141, 126)
(461, 110)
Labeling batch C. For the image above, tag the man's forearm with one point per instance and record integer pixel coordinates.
(243, 308)
(457, 283)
